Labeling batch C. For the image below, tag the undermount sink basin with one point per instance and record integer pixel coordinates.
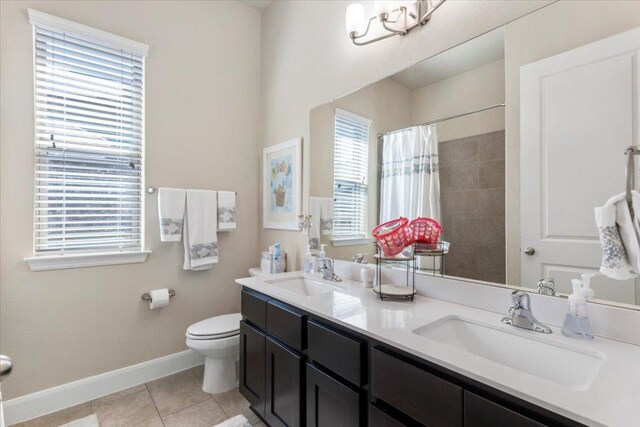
(302, 285)
(564, 365)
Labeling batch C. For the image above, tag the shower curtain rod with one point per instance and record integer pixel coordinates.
(433, 122)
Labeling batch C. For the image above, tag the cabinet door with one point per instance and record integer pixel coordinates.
(284, 386)
(329, 402)
(252, 366)
(480, 412)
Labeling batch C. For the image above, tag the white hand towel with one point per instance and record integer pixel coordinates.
(315, 210)
(201, 230)
(171, 203)
(619, 237)
(326, 216)
(615, 262)
(321, 211)
(226, 210)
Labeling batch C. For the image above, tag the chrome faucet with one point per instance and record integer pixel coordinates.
(547, 286)
(520, 314)
(326, 268)
(359, 259)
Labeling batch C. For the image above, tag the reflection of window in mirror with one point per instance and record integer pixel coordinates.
(350, 176)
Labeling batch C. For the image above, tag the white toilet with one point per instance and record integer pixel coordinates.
(217, 339)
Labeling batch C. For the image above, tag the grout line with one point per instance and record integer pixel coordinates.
(154, 403)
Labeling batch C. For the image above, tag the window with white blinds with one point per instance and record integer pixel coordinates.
(350, 176)
(89, 145)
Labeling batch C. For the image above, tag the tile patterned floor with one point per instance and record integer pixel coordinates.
(173, 401)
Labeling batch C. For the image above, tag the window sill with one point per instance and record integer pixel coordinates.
(58, 262)
(352, 242)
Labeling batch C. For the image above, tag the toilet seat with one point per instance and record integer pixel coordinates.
(215, 328)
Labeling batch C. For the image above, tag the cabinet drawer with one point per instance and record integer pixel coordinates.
(253, 307)
(337, 352)
(428, 399)
(378, 418)
(480, 412)
(329, 402)
(287, 324)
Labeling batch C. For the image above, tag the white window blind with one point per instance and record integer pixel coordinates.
(89, 145)
(350, 176)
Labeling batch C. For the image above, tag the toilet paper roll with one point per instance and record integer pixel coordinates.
(159, 298)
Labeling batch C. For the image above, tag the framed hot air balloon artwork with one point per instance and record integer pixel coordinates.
(282, 185)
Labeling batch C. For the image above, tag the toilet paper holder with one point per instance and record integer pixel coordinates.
(147, 296)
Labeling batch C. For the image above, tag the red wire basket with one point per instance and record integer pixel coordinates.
(425, 230)
(393, 236)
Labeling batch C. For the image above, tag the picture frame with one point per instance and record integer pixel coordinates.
(282, 185)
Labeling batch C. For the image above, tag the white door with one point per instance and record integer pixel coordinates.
(579, 110)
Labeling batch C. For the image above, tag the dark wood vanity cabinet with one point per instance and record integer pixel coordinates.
(331, 403)
(252, 367)
(285, 379)
(300, 370)
(272, 359)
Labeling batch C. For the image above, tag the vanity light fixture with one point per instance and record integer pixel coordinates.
(396, 17)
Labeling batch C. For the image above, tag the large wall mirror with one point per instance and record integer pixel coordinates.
(510, 141)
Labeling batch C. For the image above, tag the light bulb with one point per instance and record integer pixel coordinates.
(381, 7)
(355, 19)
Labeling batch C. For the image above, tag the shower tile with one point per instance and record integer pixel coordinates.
(463, 257)
(491, 202)
(458, 152)
(463, 274)
(491, 259)
(447, 225)
(460, 203)
(466, 231)
(176, 392)
(491, 146)
(459, 177)
(491, 174)
(491, 277)
(492, 231)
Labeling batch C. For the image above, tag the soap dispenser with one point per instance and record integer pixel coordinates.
(586, 286)
(576, 322)
(309, 261)
(322, 254)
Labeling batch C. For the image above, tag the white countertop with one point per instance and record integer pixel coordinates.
(612, 399)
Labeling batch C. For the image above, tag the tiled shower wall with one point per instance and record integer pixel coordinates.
(472, 193)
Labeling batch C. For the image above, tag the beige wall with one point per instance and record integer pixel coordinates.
(537, 36)
(202, 128)
(388, 105)
(307, 59)
(478, 88)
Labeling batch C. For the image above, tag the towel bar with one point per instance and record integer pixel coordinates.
(147, 296)
(152, 190)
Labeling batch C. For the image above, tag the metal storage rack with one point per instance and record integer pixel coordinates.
(436, 251)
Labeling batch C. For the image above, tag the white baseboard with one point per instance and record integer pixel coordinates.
(54, 399)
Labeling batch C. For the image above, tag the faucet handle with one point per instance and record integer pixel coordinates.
(521, 300)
